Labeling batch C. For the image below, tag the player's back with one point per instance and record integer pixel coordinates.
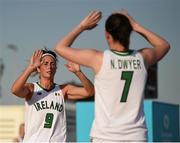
(119, 93)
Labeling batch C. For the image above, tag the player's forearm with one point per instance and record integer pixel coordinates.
(155, 40)
(77, 97)
(20, 82)
(86, 83)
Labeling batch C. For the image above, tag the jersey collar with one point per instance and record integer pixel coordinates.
(122, 53)
(47, 90)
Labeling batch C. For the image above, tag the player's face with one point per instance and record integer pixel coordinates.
(48, 67)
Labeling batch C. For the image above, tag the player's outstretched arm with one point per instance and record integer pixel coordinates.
(20, 88)
(159, 44)
(84, 57)
(77, 92)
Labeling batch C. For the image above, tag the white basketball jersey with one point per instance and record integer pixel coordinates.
(45, 119)
(119, 94)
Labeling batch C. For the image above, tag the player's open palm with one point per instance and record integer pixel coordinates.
(35, 61)
(91, 20)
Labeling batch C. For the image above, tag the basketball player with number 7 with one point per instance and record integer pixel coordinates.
(45, 118)
(120, 75)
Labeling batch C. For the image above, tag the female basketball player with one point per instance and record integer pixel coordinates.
(120, 75)
(45, 119)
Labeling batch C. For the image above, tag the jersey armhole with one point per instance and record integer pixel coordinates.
(61, 88)
(144, 62)
(102, 65)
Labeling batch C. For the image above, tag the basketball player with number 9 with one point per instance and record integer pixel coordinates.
(120, 75)
(45, 118)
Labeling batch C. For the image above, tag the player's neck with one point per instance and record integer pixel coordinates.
(46, 83)
(118, 47)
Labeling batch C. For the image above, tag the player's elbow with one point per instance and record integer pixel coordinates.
(166, 46)
(161, 50)
(57, 49)
(16, 92)
(90, 92)
(13, 90)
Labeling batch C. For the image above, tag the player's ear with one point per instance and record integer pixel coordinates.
(106, 35)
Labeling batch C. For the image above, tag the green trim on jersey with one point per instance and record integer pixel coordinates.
(121, 53)
(47, 90)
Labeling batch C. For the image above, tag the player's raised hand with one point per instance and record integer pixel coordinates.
(133, 22)
(73, 67)
(35, 61)
(91, 20)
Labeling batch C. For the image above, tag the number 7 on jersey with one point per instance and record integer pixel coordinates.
(127, 76)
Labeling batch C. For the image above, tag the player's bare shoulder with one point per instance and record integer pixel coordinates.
(97, 60)
(30, 88)
(64, 89)
(148, 55)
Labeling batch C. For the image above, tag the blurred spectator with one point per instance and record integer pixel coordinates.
(21, 134)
